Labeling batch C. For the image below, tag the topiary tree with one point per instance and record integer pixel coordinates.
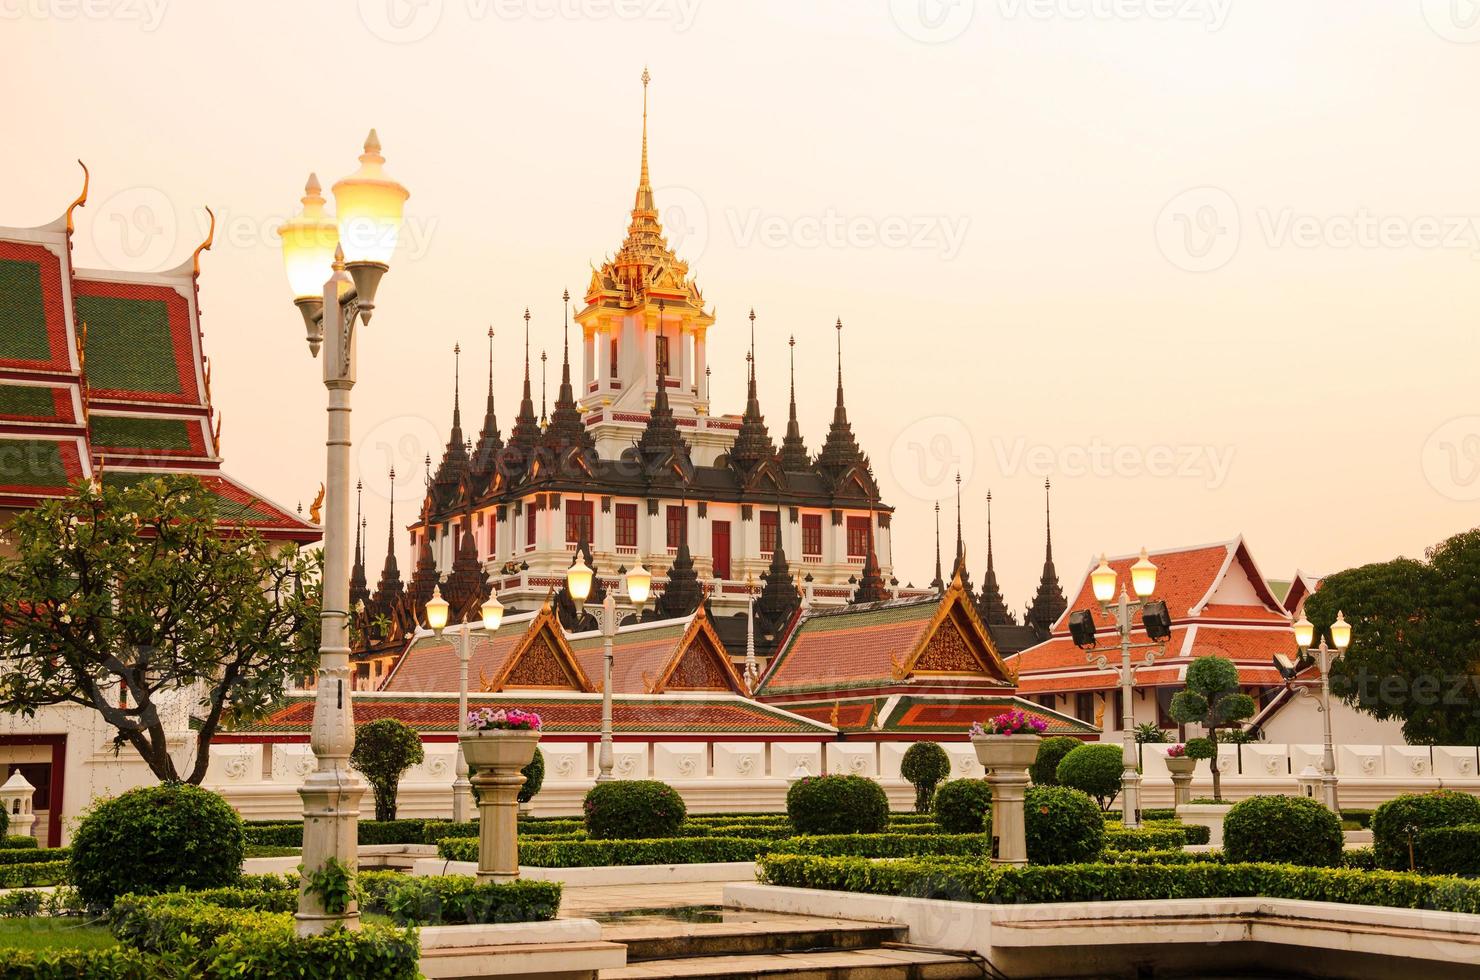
(384, 749)
(1062, 825)
(837, 805)
(1045, 769)
(1094, 769)
(635, 809)
(960, 806)
(1397, 823)
(534, 777)
(156, 839)
(1213, 700)
(925, 764)
(1282, 830)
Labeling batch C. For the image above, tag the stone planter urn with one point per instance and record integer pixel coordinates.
(1006, 759)
(1181, 769)
(498, 755)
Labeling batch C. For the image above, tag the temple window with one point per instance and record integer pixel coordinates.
(857, 537)
(769, 529)
(812, 535)
(578, 518)
(677, 518)
(626, 525)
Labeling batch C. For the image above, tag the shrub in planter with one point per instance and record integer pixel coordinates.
(1094, 769)
(1397, 823)
(837, 805)
(1063, 825)
(960, 806)
(384, 749)
(925, 764)
(156, 839)
(1282, 830)
(633, 810)
(1045, 768)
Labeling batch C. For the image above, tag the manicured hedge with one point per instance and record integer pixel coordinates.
(290, 834)
(1144, 839)
(1062, 825)
(35, 855)
(1362, 818)
(638, 809)
(112, 963)
(1397, 823)
(1283, 830)
(1157, 857)
(837, 805)
(980, 882)
(883, 845)
(1191, 833)
(1448, 850)
(960, 806)
(458, 899)
(19, 840)
(34, 874)
(598, 853)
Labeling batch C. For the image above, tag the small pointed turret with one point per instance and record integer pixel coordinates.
(960, 571)
(780, 597)
(840, 451)
(1048, 602)
(794, 456)
(525, 435)
(937, 583)
(485, 457)
(661, 439)
(683, 593)
(870, 582)
(455, 457)
(359, 589)
(753, 442)
(390, 587)
(990, 605)
(566, 430)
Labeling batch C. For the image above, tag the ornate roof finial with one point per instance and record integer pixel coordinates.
(1048, 603)
(645, 79)
(1047, 521)
(543, 358)
(937, 583)
(456, 386)
(793, 449)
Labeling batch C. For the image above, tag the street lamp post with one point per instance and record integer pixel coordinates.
(1324, 656)
(578, 581)
(493, 617)
(334, 267)
(1123, 609)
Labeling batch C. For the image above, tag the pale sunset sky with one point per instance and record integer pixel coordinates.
(1212, 266)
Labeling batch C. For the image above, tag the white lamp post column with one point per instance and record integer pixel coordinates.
(1341, 636)
(493, 615)
(354, 257)
(604, 759)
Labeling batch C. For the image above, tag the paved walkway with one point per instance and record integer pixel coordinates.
(591, 900)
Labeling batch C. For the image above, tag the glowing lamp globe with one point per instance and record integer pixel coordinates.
(493, 614)
(437, 611)
(1341, 632)
(1143, 576)
(1102, 579)
(370, 206)
(308, 241)
(578, 581)
(639, 584)
(1305, 632)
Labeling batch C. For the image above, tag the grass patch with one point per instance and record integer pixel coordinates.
(266, 851)
(45, 932)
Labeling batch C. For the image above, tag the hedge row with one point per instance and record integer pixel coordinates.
(891, 845)
(598, 853)
(112, 963)
(1144, 839)
(33, 875)
(34, 855)
(453, 900)
(14, 841)
(980, 882)
(290, 834)
(1448, 850)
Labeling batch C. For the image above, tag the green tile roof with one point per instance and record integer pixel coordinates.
(132, 432)
(22, 313)
(26, 401)
(129, 347)
(32, 463)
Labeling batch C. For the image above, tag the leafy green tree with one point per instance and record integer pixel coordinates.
(1415, 652)
(1213, 700)
(1094, 769)
(384, 749)
(1045, 768)
(925, 764)
(131, 599)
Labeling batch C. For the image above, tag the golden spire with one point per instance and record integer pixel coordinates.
(642, 183)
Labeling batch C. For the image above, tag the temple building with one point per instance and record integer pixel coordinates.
(103, 374)
(632, 466)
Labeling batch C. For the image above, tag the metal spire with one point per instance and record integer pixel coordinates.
(938, 583)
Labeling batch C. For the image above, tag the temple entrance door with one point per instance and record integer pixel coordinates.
(721, 548)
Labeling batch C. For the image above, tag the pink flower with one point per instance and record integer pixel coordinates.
(1013, 722)
(499, 719)
(1177, 751)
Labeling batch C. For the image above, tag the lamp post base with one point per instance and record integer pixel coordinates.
(331, 820)
(1130, 798)
(1328, 793)
(462, 799)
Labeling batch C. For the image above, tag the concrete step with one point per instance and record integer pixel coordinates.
(880, 963)
(744, 934)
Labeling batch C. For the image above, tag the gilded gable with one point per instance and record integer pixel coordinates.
(699, 669)
(948, 652)
(541, 666)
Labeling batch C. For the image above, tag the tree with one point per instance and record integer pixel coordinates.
(1094, 769)
(1045, 768)
(137, 599)
(384, 749)
(924, 764)
(1211, 699)
(1414, 649)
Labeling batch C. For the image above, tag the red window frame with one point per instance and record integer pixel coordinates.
(626, 525)
(812, 535)
(529, 525)
(770, 528)
(678, 518)
(578, 513)
(858, 533)
(614, 358)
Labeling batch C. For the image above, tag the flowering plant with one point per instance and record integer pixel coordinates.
(1178, 751)
(1011, 723)
(499, 719)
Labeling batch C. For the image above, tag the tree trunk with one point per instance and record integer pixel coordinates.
(1217, 774)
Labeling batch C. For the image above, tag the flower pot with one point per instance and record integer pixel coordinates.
(498, 755)
(1011, 752)
(1181, 768)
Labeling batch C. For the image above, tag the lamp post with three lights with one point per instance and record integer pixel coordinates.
(1324, 657)
(493, 617)
(578, 580)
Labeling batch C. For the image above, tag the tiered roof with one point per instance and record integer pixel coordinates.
(103, 373)
(1219, 602)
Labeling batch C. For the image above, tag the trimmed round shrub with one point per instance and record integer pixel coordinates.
(156, 839)
(1282, 830)
(534, 777)
(1045, 769)
(637, 809)
(924, 764)
(1094, 769)
(960, 806)
(837, 805)
(1448, 850)
(1397, 823)
(1062, 825)
(1201, 748)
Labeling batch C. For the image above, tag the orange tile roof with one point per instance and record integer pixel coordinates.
(848, 646)
(639, 656)
(431, 666)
